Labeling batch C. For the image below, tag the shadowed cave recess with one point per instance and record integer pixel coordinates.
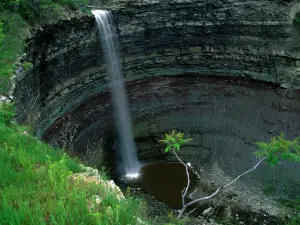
(226, 73)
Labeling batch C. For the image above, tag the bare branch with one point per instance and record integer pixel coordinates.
(214, 194)
(225, 186)
(188, 178)
(193, 193)
(243, 174)
(37, 96)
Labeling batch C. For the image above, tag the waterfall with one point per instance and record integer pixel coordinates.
(129, 161)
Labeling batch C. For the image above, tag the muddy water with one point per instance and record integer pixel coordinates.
(164, 181)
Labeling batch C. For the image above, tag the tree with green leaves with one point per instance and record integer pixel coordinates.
(279, 148)
(271, 153)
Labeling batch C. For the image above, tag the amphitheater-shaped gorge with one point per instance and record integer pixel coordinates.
(226, 73)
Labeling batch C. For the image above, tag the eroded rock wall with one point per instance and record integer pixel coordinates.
(226, 38)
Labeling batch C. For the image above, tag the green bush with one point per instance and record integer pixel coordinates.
(37, 11)
(73, 4)
(40, 11)
(293, 221)
(297, 18)
(6, 113)
(27, 66)
(9, 5)
(279, 148)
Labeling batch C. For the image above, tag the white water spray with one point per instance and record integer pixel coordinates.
(113, 66)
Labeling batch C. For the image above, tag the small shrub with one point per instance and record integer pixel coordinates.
(279, 148)
(6, 113)
(174, 141)
(45, 11)
(39, 11)
(27, 66)
(297, 18)
(2, 36)
(9, 5)
(58, 172)
(72, 4)
(295, 220)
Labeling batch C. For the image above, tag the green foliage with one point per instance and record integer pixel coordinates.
(40, 11)
(6, 113)
(58, 172)
(174, 220)
(27, 66)
(35, 188)
(73, 4)
(37, 11)
(174, 141)
(279, 148)
(295, 220)
(12, 30)
(292, 203)
(9, 4)
(2, 36)
(297, 18)
(269, 188)
(15, 17)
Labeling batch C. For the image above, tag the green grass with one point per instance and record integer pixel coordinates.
(35, 186)
(293, 204)
(45, 11)
(293, 221)
(41, 11)
(269, 187)
(16, 19)
(12, 28)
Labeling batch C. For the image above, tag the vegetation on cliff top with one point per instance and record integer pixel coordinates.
(17, 17)
(36, 12)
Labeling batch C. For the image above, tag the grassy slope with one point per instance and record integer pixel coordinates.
(35, 186)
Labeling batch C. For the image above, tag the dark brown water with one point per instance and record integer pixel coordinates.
(164, 181)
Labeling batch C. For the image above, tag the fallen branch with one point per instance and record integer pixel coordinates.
(218, 191)
(278, 148)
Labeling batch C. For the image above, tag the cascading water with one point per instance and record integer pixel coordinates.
(128, 155)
